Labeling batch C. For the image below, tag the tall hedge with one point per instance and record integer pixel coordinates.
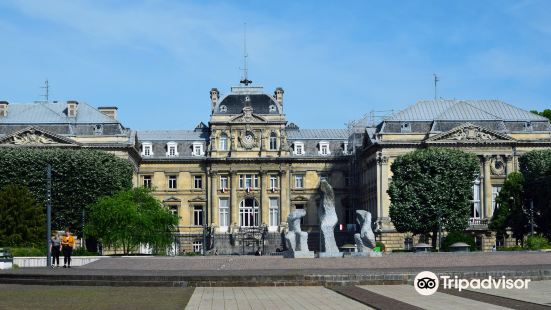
(536, 168)
(80, 178)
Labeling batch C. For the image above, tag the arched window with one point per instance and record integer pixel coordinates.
(273, 141)
(248, 213)
(223, 142)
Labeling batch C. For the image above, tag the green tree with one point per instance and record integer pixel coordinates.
(80, 177)
(536, 168)
(544, 113)
(432, 184)
(510, 212)
(21, 217)
(130, 218)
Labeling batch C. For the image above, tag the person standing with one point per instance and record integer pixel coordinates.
(55, 249)
(67, 244)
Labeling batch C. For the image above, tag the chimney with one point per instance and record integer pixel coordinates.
(278, 95)
(109, 111)
(72, 108)
(214, 95)
(4, 108)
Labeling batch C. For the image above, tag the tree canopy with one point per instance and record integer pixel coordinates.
(80, 177)
(536, 168)
(428, 184)
(22, 221)
(510, 213)
(544, 113)
(130, 218)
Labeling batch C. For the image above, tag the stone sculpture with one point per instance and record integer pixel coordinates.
(296, 239)
(365, 240)
(328, 220)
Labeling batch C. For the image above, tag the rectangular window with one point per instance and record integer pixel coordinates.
(274, 212)
(198, 215)
(147, 181)
(476, 213)
(248, 181)
(147, 150)
(324, 149)
(299, 149)
(495, 193)
(197, 149)
(197, 182)
(172, 182)
(172, 150)
(299, 181)
(197, 246)
(224, 208)
(273, 182)
(223, 182)
(173, 209)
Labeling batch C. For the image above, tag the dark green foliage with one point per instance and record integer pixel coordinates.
(510, 212)
(130, 218)
(28, 251)
(544, 113)
(80, 177)
(429, 184)
(537, 243)
(536, 168)
(83, 252)
(21, 217)
(510, 248)
(454, 237)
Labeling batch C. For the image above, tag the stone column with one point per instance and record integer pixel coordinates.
(382, 186)
(487, 188)
(234, 205)
(264, 201)
(213, 187)
(510, 164)
(284, 194)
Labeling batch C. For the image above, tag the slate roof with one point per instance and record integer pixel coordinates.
(252, 96)
(464, 110)
(172, 135)
(53, 113)
(318, 134)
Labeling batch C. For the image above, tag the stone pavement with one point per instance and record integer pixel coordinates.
(538, 292)
(270, 298)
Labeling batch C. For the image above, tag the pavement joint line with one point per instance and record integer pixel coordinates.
(374, 300)
(495, 300)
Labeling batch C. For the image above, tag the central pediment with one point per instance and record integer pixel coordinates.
(32, 136)
(248, 117)
(469, 133)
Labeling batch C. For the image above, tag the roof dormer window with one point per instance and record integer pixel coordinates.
(147, 149)
(298, 148)
(405, 127)
(324, 148)
(272, 108)
(528, 126)
(197, 149)
(172, 149)
(223, 109)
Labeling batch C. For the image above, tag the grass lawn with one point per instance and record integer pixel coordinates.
(92, 297)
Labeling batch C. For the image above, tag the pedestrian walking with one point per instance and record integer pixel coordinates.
(67, 244)
(55, 249)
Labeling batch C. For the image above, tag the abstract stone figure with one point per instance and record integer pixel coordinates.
(296, 239)
(365, 240)
(328, 219)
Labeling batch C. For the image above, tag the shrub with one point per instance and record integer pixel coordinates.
(27, 251)
(83, 252)
(454, 237)
(537, 243)
(510, 248)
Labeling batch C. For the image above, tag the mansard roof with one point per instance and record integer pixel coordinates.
(53, 113)
(172, 135)
(243, 96)
(318, 134)
(464, 110)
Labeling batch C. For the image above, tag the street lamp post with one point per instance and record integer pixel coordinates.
(48, 213)
(531, 217)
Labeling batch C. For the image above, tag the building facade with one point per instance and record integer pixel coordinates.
(233, 181)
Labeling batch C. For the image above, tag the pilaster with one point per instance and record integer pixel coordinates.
(487, 187)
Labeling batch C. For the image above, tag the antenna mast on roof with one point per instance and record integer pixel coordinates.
(245, 79)
(46, 90)
(436, 80)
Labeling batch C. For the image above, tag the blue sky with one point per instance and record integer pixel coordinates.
(336, 60)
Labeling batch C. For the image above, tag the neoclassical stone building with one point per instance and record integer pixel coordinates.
(494, 130)
(233, 181)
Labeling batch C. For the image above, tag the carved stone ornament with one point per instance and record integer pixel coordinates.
(248, 114)
(248, 140)
(31, 137)
(470, 133)
(497, 166)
